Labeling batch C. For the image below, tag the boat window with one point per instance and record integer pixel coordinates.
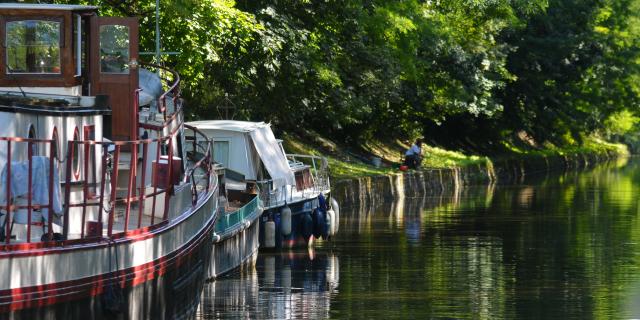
(33, 46)
(114, 49)
(221, 152)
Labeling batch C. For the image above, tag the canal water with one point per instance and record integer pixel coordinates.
(553, 246)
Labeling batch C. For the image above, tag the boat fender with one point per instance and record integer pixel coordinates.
(324, 207)
(285, 221)
(216, 238)
(322, 202)
(276, 219)
(336, 209)
(318, 223)
(306, 226)
(270, 234)
(331, 223)
(327, 225)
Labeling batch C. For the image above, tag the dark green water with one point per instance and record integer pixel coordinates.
(558, 246)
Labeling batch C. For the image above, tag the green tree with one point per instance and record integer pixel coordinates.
(467, 73)
(575, 65)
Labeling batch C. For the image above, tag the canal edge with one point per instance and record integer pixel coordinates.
(369, 190)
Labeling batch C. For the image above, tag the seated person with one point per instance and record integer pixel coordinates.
(413, 156)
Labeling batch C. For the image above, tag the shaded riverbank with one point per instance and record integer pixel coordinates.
(368, 190)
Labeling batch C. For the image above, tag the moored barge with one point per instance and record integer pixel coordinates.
(106, 208)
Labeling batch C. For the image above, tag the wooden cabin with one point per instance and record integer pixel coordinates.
(68, 50)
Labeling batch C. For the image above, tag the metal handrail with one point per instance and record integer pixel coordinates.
(173, 88)
(99, 200)
(320, 170)
(205, 162)
(113, 177)
(275, 197)
(233, 219)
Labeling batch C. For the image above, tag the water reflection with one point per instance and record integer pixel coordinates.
(293, 285)
(632, 300)
(552, 246)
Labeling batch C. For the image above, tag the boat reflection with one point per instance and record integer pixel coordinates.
(288, 285)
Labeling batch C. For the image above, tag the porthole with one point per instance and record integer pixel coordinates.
(75, 153)
(54, 145)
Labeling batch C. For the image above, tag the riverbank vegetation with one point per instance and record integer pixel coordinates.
(485, 77)
(347, 162)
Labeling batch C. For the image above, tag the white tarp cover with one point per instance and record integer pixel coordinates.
(272, 157)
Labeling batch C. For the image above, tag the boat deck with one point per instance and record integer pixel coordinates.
(134, 216)
(19, 230)
(136, 220)
(233, 206)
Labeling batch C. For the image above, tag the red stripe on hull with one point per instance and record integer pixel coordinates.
(49, 294)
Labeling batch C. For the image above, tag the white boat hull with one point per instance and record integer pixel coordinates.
(236, 247)
(144, 274)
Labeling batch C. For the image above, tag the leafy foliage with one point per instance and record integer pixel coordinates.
(465, 73)
(576, 64)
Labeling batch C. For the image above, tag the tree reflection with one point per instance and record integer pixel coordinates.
(555, 246)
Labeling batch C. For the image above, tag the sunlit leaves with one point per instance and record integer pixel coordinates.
(556, 69)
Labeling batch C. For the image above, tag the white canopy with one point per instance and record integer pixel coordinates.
(272, 157)
(241, 157)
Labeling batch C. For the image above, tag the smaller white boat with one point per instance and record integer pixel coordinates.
(235, 237)
(294, 190)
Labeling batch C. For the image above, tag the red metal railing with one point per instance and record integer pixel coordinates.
(9, 205)
(171, 120)
(98, 194)
(105, 201)
(172, 93)
(137, 186)
(204, 162)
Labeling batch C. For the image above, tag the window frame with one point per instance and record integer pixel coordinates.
(126, 64)
(5, 54)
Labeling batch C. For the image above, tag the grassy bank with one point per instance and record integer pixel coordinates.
(356, 160)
